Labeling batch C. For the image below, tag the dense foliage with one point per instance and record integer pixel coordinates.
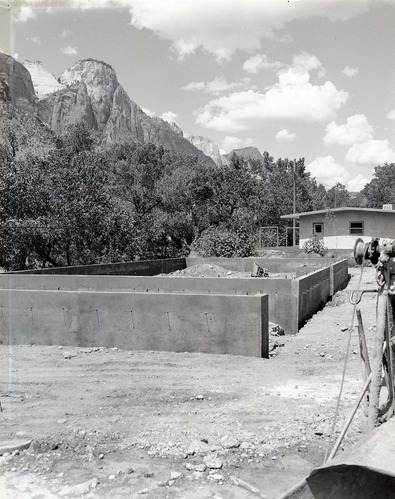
(65, 201)
(314, 245)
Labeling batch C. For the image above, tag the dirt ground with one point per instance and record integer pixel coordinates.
(128, 424)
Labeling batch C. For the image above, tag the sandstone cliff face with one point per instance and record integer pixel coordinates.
(44, 82)
(17, 77)
(247, 153)
(89, 91)
(208, 147)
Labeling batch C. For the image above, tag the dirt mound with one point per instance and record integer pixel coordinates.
(207, 270)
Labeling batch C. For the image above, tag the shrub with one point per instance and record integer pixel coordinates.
(314, 245)
(217, 241)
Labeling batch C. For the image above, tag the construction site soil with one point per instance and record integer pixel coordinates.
(128, 424)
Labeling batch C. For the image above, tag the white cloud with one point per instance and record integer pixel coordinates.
(24, 13)
(356, 129)
(148, 112)
(285, 136)
(371, 152)
(260, 61)
(231, 143)
(357, 183)
(329, 172)
(216, 86)
(293, 97)
(222, 27)
(391, 115)
(169, 116)
(326, 170)
(349, 71)
(69, 50)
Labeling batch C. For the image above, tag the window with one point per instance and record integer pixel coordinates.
(356, 228)
(318, 228)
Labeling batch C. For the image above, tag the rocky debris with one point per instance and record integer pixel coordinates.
(229, 442)
(213, 461)
(197, 447)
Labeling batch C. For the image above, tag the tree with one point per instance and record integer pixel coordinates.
(381, 189)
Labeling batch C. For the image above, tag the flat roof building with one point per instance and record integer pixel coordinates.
(338, 228)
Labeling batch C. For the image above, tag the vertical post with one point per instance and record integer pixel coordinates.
(294, 207)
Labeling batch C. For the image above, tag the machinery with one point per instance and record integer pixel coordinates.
(368, 469)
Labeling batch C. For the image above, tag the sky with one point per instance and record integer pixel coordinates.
(298, 78)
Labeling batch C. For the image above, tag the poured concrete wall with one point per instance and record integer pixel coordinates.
(217, 324)
(275, 265)
(143, 267)
(339, 276)
(279, 289)
(313, 291)
(291, 301)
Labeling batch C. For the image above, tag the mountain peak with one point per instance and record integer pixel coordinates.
(44, 82)
(247, 153)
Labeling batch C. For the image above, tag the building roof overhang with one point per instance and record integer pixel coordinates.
(335, 210)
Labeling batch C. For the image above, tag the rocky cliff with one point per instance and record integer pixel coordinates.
(89, 91)
(208, 147)
(247, 153)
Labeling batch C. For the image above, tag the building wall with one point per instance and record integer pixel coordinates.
(218, 324)
(336, 230)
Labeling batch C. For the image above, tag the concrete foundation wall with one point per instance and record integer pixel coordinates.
(290, 303)
(339, 276)
(279, 290)
(272, 264)
(143, 267)
(313, 291)
(217, 324)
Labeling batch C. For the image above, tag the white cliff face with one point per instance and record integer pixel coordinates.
(44, 82)
(208, 147)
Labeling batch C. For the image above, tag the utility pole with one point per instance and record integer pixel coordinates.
(294, 207)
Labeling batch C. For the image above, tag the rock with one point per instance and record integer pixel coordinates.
(229, 442)
(198, 474)
(197, 447)
(76, 490)
(101, 456)
(175, 475)
(143, 491)
(94, 483)
(213, 462)
(199, 397)
(189, 466)
(200, 467)
(69, 355)
(111, 477)
(217, 477)
(343, 329)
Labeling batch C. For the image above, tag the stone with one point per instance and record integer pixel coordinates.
(175, 475)
(143, 491)
(200, 467)
(9, 446)
(199, 397)
(189, 466)
(213, 462)
(94, 483)
(198, 474)
(229, 442)
(197, 447)
(217, 477)
(111, 477)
